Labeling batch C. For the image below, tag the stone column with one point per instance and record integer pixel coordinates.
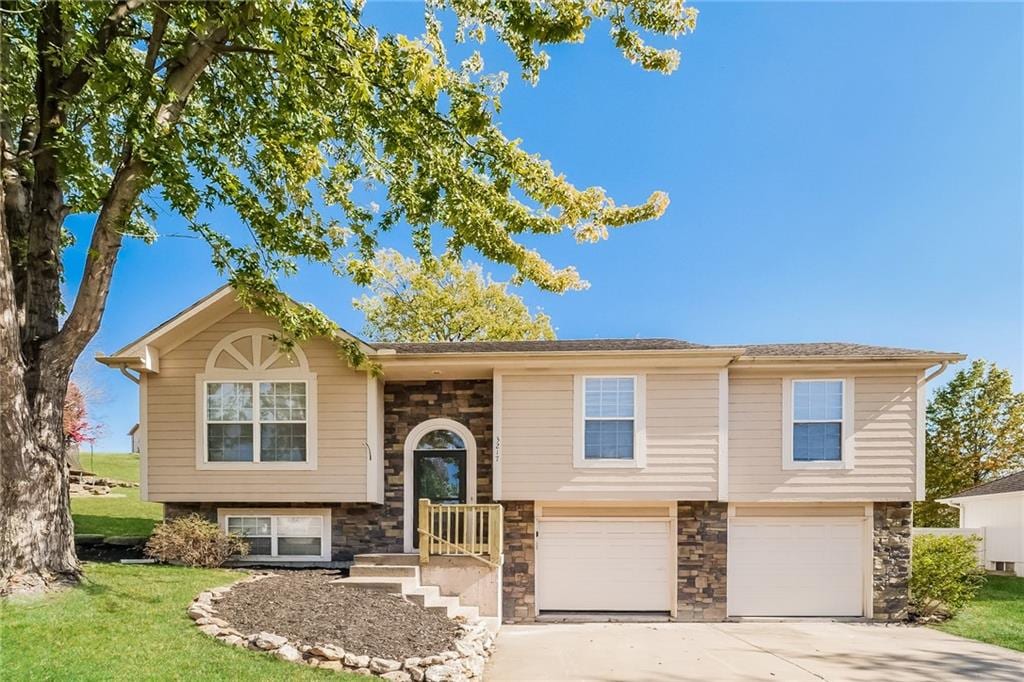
(703, 529)
(518, 574)
(892, 546)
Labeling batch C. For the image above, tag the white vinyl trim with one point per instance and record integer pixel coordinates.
(415, 434)
(919, 440)
(223, 513)
(374, 446)
(497, 385)
(639, 460)
(847, 452)
(723, 434)
(143, 436)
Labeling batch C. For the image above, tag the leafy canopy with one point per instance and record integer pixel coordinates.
(444, 300)
(305, 105)
(975, 432)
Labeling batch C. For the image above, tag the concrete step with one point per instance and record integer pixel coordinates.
(389, 585)
(423, 594)
(387, 559)
(383, 571)
(470, 613)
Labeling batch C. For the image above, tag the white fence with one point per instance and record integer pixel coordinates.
(979, 532)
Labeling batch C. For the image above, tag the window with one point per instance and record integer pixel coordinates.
(609, 421)
(256, 421)
(282, 536)
(819, 424)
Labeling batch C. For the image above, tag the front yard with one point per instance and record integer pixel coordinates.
(996, 616)
(122, 513)
(129, 623)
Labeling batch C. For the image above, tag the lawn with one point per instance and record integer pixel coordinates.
(129, 623)
(125, 515)
(996, 616)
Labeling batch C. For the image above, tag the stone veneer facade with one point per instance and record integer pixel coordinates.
(519, 597)
(892, 543)
(362, 527)
(703, 534)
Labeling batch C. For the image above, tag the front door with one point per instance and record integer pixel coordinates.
(439, 476)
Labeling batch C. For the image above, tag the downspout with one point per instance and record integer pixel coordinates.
(132, 377)
(940, 370)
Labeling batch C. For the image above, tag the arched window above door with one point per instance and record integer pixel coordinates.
(441, 439)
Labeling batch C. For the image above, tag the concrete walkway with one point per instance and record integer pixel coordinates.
(789, 652)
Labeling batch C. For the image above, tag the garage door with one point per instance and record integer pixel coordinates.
(598, 564)
(796, 567)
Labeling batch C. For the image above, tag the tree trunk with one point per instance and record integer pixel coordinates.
(37, 545)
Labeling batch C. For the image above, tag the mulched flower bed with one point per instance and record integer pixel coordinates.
(303, 605)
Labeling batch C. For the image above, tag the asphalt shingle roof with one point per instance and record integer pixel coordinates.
(825, 349)
(1011, 483)
(541, 346)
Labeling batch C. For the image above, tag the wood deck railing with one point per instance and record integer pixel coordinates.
(473, 530)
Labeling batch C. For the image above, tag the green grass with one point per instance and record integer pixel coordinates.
(108, 516)
(995, 616)
(129, 623)
(122, 466)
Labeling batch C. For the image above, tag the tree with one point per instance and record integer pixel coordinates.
(275, 110)
(975, 433)
(444, 300)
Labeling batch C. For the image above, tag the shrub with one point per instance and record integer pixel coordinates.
(944, 573)
(193, 541)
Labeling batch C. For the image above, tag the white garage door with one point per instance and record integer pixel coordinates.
(796, 567)
(604, 565)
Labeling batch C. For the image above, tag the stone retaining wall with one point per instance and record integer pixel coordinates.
(464, 662)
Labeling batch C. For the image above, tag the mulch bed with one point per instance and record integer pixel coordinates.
(302, 605)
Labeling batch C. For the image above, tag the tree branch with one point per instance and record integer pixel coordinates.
(129, 181)
(104, 37)
(156, 38)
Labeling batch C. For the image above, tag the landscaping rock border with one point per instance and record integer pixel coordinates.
(465, 662)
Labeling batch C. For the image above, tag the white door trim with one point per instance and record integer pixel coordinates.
(415, 434)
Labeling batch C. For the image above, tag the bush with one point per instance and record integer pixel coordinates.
(193, 541)
(944, 573)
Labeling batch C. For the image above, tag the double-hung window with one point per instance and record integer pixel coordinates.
(819, 423)
(610, 410)
(256, 421)
(281, 536)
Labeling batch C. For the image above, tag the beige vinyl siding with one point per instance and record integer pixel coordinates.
(681, 441)
(885, 422)
(340, 475)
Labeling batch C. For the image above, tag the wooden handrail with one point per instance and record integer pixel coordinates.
(473, 530)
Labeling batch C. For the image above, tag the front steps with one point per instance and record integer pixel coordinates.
(400, 574)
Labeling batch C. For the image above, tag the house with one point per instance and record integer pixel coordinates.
(996, 508)
(641, 475)
(133, 434)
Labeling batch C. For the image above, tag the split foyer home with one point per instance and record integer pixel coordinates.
(640, 475)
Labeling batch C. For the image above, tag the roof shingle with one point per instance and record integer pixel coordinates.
(1011, 483)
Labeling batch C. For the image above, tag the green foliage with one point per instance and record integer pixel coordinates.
(128, 623)
(444, 300)
(944, 573)
(305, 106)
(975, 433)
(193, 541)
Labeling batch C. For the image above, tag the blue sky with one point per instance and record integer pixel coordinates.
(837, 171)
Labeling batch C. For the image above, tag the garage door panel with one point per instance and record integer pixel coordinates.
(604, 565)
(796, 567)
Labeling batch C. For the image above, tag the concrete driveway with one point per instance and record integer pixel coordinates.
(790, 652)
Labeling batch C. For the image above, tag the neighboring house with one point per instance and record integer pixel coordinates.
(997, 508)
(654, 475)
(133, 434)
